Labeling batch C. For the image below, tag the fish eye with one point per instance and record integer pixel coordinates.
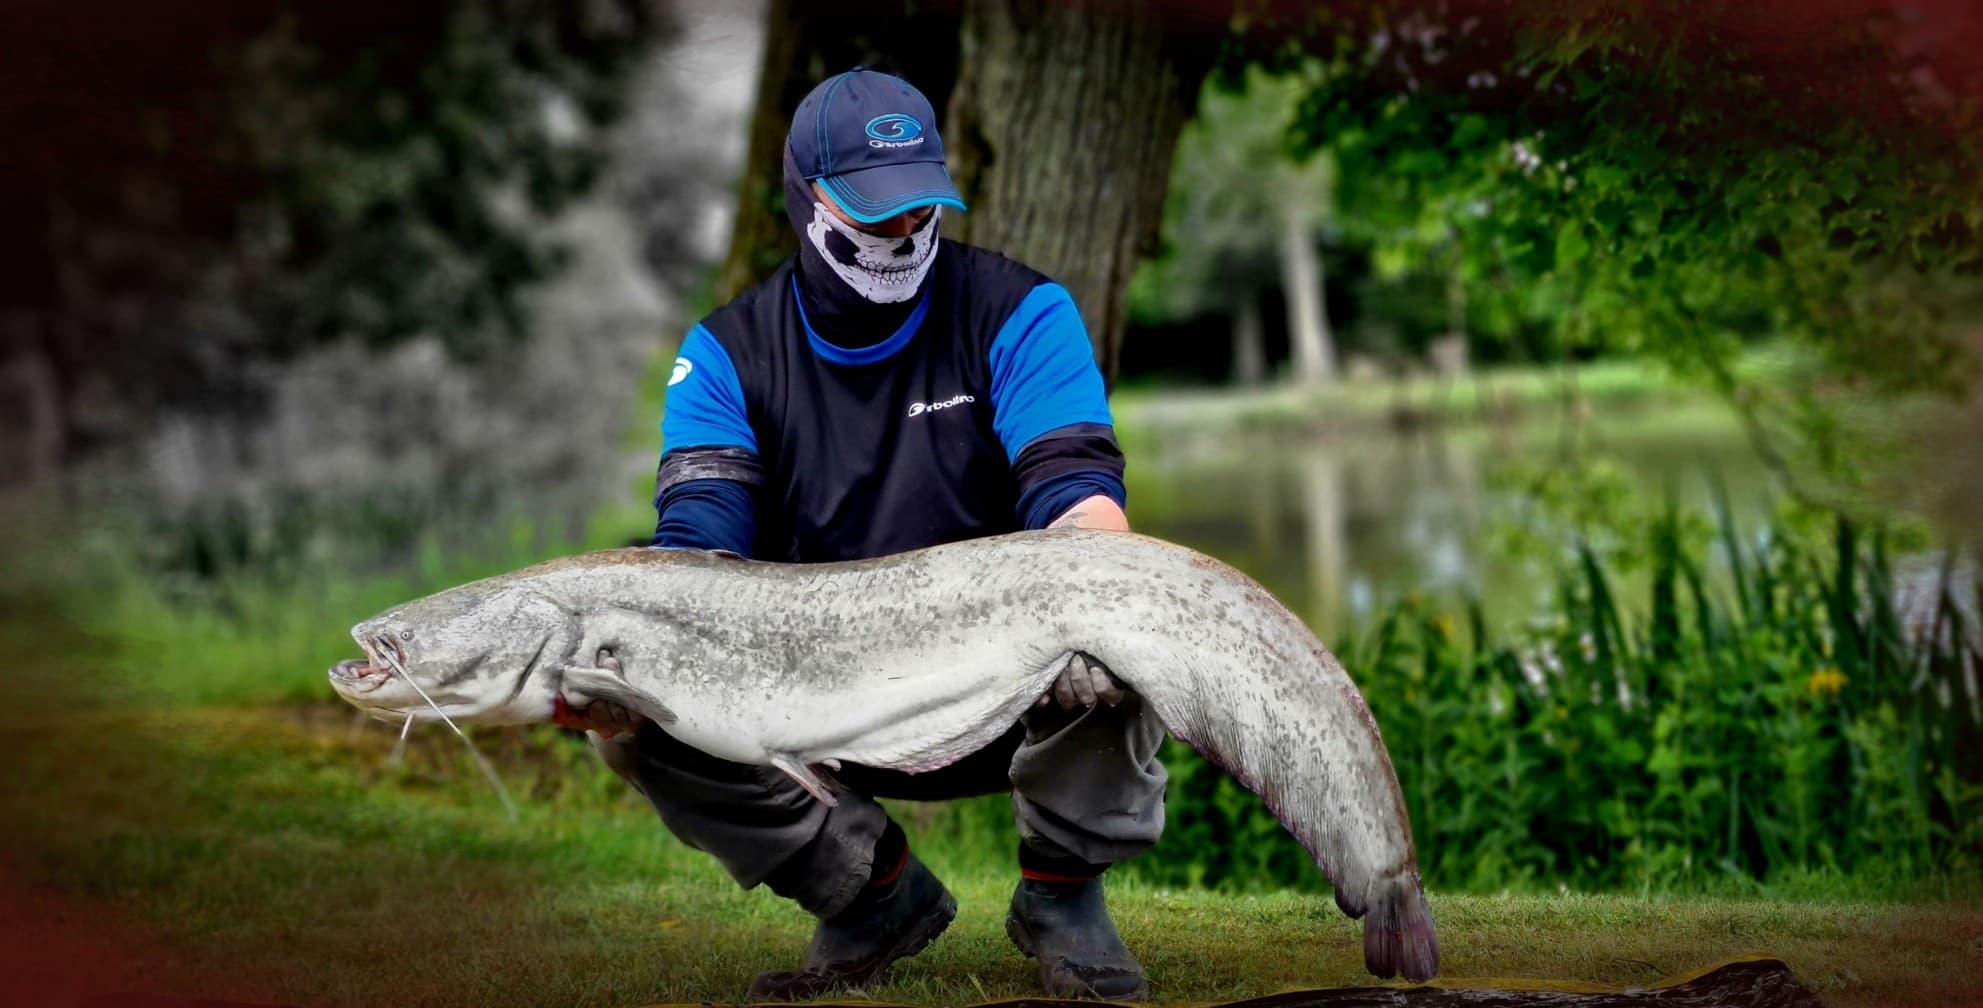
(406, 635)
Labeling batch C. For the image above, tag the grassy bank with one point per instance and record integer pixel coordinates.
(1503, 395)
(273, 847)
(1765, 719)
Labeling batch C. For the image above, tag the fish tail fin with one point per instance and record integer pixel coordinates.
(1398, 937)
(1257, 694)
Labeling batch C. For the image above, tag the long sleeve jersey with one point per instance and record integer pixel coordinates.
(983, 413)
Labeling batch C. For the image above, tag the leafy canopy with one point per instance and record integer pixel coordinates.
(1668, 175)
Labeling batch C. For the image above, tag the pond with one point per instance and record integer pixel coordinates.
(1339, 525)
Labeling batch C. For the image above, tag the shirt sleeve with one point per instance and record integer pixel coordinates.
(1043, 373)
(706, 514)
(1049, 499)
(704, 490)
(705, 404)
(1064, 467)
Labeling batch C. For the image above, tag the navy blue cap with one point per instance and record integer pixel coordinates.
(870, 139)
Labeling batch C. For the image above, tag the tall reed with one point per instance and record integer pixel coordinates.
(1770, 708)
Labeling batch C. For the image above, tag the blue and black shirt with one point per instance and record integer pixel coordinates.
(983, 413)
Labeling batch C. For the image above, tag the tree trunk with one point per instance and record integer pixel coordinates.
(805, 43)
(1249, 345)
(1301, 281)
(1060, 136)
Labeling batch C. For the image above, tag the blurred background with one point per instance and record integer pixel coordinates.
(1598, 379)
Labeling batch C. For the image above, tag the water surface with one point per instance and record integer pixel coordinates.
(1339, 525)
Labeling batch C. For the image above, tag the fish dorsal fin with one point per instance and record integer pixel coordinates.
(799, 771)
(604, 684)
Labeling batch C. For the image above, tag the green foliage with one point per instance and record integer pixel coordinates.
(245, 618)
(1233, 178)
(1670, 176)
(1771, 719)
(407, 170)
(238, 182)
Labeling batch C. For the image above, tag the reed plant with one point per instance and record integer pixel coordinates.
(1694, 709)
(1774, 708)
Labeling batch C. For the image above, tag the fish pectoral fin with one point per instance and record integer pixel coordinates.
(796, 769)
(594, 683)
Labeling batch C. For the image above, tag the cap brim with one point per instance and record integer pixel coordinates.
(873, 195)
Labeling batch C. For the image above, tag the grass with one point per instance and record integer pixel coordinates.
(298, 858)
(1495, 395)
(278, 846)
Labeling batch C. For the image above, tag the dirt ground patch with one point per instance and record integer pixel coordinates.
(57, 948)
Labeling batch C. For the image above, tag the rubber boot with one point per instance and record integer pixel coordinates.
(855, 946)
(1067, 928)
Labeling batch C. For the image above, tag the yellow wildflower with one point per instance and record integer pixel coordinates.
(1825, 681)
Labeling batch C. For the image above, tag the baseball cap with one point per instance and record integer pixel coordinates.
(870, 139)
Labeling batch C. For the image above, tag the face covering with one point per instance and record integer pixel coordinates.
(834, 288)
(882, 269)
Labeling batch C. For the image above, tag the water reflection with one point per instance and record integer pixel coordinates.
(1338, 527)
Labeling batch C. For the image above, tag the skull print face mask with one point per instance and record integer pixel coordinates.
(881, 269)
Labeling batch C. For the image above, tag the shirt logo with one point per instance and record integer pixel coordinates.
(918, 409)
(894, 130)
(682, 368)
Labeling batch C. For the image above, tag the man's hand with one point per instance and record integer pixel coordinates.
(1083, 680)
(603, 716)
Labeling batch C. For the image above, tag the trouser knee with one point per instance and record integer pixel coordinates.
(758, 823)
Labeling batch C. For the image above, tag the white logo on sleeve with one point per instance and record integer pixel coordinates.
(682, 368)
(918, 409)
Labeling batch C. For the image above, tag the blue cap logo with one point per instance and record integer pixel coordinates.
(894, 126)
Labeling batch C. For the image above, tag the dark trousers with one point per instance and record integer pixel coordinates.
(1085, 784)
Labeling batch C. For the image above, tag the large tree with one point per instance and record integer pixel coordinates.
(1059, 124)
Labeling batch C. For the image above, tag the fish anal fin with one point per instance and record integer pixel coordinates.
(796, 769)
(591, 683)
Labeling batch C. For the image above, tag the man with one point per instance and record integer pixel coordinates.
(886, 391)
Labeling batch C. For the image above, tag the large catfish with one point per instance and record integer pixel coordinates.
(913, 661)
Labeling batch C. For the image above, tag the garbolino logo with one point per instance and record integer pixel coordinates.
(894, 130)
(918, 409)
(682, 368)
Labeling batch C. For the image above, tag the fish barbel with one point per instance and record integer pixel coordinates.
(913, 661)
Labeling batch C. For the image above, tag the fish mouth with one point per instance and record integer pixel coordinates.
(363, 675)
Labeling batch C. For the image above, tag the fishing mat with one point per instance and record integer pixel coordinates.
(1753, 982)
(1749, 982)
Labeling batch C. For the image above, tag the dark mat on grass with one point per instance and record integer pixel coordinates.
(1743, 983)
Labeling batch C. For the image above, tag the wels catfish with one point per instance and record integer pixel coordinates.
(913, 661)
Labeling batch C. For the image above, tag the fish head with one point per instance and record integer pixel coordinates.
(483, 652)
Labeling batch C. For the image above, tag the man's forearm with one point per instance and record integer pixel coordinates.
(1097, 512)
(706, 514)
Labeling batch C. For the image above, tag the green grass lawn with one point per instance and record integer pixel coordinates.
(273, 851)
(278, 847)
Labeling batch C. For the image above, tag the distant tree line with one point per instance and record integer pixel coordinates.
(203, 190)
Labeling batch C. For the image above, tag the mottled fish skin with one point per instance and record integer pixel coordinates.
(914, 661)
